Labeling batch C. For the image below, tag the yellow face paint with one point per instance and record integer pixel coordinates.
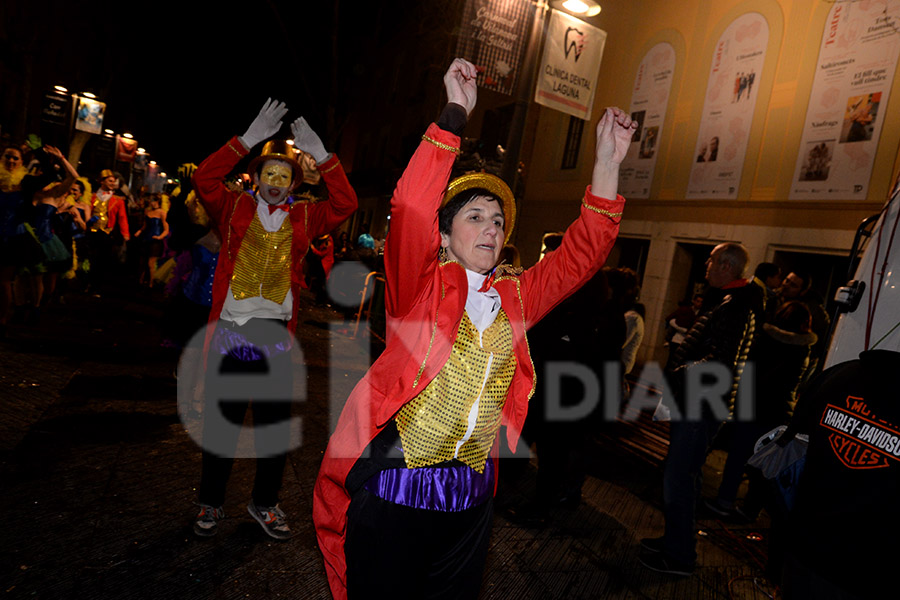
(276, 175)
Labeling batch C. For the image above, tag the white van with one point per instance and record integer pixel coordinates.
(871, 301)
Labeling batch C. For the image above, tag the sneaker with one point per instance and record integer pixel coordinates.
(207, 522)
(272, 519)
(661, 563)
(653, 545)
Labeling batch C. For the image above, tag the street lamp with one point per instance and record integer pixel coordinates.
(588, 8)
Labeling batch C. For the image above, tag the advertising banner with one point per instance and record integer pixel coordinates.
(567, 75)
(126, 149)
(493, 36)
(649, 101)
(89, 115)
(731, 93)
(854, 73)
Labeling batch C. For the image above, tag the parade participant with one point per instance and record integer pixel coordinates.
(13, 238)
(255, 294)
(153, 231)
(79, 207)
(416, 523)
(20, 247)
(109, 225)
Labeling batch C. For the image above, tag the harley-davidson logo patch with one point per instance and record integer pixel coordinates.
(858, 438)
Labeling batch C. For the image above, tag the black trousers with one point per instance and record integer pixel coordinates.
(397, 552)
(271, 411)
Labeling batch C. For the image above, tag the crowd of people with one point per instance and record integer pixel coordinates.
(408, 476)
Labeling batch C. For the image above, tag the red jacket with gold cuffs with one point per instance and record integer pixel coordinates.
(232, 212)
(116, 214)
(424, 302)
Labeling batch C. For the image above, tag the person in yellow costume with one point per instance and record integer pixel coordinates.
(403, 502)
(265, 236)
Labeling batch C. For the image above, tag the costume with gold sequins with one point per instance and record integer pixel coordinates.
(425, 306)
(263, 263)
(233, 213)
(432, 423)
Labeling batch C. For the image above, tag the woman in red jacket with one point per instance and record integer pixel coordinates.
(403, 501)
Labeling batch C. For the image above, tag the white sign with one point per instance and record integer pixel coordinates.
(731, 93)
(857, 60)
(649, 100)
(568, 73)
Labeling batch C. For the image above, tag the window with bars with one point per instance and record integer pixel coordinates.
(573, 143)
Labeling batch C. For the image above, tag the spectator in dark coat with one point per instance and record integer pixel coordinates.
(779, 357)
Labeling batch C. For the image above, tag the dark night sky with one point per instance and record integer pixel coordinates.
(184, 76)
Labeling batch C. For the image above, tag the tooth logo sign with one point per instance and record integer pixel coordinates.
(574, 42)
(858, 438)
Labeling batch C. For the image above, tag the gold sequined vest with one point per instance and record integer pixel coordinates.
(263, 265)
(432, 423)
(100, 210)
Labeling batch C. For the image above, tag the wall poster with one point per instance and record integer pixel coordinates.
(854, 74)
(649, 100)
(731, 93)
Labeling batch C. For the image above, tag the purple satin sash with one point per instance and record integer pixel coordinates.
(229, 339)
(447, 489)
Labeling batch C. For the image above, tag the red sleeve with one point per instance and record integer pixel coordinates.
(411, 247)
(209, 180)
(325, 216)
(122, 219)
(585, 246)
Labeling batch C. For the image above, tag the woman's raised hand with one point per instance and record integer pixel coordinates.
(614, 132)
(459, 81)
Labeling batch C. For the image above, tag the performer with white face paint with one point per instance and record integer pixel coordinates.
(403, 502)
(265, 237)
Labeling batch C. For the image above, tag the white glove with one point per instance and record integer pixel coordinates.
(266, 124)
(305, 139)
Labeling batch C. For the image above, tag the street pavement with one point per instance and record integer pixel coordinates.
(99, 479)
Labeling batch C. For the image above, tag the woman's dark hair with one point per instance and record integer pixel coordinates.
(793, 316)
(80, 185)
(448, 211)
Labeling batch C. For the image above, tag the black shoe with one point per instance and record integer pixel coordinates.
(745, 516)
(570, 501)
(653, 545)
(661, 563)
(528, 516)
(715, 507)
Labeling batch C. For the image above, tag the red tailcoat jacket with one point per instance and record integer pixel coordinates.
(116, 214)
(232, 212)
(424, 302)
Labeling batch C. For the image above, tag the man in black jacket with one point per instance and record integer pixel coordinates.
(703, 377)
